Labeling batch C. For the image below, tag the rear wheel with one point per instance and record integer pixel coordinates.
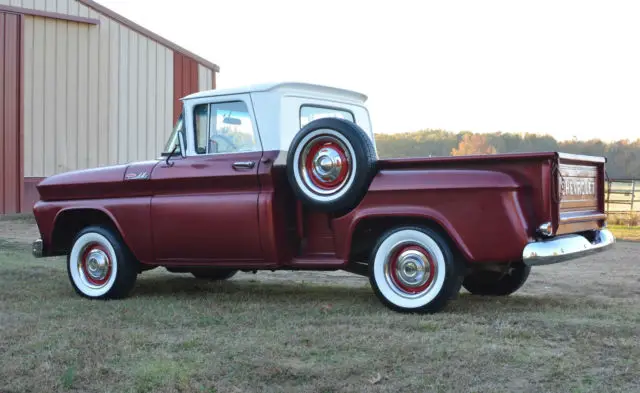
(100, 266)
(412, 269)
(494, 283)
(330, 164)
(214, 274)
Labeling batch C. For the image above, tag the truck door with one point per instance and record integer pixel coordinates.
(205, 206)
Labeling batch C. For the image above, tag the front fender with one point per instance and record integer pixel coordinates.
(130, 216)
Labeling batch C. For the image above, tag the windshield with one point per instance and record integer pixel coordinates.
(173, 139)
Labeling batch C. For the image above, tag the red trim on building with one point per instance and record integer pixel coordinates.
(185, 80)
(21, 154)
(10, 106)
(47, 14)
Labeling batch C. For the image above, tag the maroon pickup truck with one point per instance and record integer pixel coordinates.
(286, 177)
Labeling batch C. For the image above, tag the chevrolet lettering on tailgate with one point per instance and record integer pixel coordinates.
(578, 187)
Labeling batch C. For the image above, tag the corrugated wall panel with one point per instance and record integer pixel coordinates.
(132, 99)
(143, 43)
(59, 105)
(67, 7)
(10, 138)
(185, 80)
(72, 62)
(97, 95)
(205, 78)
(168, 97)
(83, 96)
(27, 90)
(152, 128)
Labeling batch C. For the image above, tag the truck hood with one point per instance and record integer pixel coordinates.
(103, 182)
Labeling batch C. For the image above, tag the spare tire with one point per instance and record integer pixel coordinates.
(330, 164)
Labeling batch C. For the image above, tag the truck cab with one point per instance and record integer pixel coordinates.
(285, 176)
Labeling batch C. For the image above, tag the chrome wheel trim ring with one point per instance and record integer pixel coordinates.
(300, 168)
(413, 268)
(327, 164)
(96, 265)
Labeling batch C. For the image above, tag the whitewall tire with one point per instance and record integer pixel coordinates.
(99, 265)
(330, 164)
(412, 269)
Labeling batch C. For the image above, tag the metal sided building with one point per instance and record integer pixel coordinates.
(81, 87)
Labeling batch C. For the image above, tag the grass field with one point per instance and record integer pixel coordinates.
(623, 232)
(574, 327)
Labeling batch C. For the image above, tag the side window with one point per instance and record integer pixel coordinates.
(231, 129)
(201, 120)
(309, 113)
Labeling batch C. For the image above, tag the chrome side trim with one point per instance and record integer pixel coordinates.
(581, 157)
(37, 248)
(566, 247)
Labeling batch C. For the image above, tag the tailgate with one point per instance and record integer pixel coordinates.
(580, 193)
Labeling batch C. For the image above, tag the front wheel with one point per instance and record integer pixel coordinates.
(100, 266)
(412, 269)
(492, 283)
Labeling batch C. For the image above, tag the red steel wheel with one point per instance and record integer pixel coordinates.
(412, 269)
(95, 264)
(325, 164)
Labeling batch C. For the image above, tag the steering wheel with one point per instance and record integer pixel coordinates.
(224, 138)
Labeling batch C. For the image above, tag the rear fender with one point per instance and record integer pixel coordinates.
(423, 213)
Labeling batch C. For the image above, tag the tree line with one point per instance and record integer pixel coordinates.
(623, 157)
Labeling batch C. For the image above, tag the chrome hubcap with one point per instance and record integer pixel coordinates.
(97, 264)
(327, 165)
(324, 165)
(413, 268)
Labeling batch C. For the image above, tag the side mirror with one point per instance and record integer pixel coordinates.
(182, 141)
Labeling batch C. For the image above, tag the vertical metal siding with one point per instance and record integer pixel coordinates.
(205, 78)
(68, 7)
(97, 95)
(10, 137)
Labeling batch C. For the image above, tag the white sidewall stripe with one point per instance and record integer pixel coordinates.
(384, 252)
(74, 259)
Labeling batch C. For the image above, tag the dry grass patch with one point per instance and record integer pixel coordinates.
(623, 232)
(265, 334)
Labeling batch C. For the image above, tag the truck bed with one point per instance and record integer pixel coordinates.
(567, 189)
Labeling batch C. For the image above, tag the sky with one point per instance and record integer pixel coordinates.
(570, 69)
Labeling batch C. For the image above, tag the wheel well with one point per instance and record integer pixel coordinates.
(70, 222)
(368, 232)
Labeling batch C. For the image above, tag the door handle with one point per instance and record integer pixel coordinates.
(243, 164)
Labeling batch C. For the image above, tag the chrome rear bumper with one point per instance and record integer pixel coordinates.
(566, 247)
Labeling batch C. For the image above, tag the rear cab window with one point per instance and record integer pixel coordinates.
(309, 113)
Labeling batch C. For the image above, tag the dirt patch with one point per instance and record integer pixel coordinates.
(20, 228)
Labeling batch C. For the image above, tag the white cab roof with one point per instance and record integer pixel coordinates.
(284, 87)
